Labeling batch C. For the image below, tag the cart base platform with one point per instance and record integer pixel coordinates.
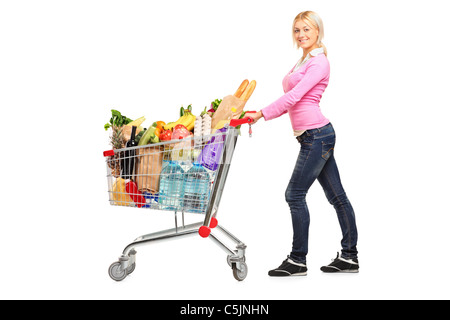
(126, 263)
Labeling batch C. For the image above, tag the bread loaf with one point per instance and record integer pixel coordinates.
(241, 88)
(248, 91)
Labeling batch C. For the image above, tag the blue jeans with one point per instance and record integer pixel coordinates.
(316, 161)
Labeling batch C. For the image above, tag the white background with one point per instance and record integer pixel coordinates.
(65, 64)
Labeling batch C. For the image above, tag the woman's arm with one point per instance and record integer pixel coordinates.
(256, 116)
(315, 72)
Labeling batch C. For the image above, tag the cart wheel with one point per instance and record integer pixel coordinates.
(240, 275)
(229, 260)
(116, 272)
(131, 268)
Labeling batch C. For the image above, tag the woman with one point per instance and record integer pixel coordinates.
(303, 87)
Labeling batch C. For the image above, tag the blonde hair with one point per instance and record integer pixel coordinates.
(314, 21)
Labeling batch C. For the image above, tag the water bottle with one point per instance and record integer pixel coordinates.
(171, 186)
(196, 190)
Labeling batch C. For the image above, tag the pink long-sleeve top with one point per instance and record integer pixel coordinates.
(303, 90)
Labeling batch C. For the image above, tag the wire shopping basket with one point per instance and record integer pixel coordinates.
(183, 176)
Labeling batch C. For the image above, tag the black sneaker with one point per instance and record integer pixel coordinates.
(340, 264)
(289, 268)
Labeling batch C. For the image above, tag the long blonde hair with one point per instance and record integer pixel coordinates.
(314, 21)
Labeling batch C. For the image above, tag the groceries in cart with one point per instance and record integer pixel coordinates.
(171, 165)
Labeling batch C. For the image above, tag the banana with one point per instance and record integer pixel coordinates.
(171, 125)
(190, 126)
(185, 120)
(190, 119)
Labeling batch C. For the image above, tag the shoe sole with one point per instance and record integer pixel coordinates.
(283, 273)
(336, 270)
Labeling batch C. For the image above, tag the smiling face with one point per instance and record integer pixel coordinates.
(305, 35)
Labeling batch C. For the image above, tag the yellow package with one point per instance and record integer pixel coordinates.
(119, 194)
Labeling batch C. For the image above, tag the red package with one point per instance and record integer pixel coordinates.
(135, 194)
(180, 132)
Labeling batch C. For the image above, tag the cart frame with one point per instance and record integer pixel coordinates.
(126, 263)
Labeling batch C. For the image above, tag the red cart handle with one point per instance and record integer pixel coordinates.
(238, 122)
(108, 153)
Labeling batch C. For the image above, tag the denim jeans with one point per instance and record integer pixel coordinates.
(316, 161)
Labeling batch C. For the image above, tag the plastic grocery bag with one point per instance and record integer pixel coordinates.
(212, 152)
(182, 151)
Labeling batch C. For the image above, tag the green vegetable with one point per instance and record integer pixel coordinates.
(215, 104)
(139, 136)
(117, 120)
(154, 139)
(147, 136)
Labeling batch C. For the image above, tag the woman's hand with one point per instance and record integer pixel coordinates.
(254, 115)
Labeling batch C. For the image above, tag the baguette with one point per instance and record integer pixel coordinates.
(241, 89)
(248, 91)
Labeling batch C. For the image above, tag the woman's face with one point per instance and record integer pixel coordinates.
(305, 35)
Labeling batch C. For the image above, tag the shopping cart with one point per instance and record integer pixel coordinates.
(183, 176)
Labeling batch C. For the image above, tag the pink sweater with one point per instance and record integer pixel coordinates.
(303, 89)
